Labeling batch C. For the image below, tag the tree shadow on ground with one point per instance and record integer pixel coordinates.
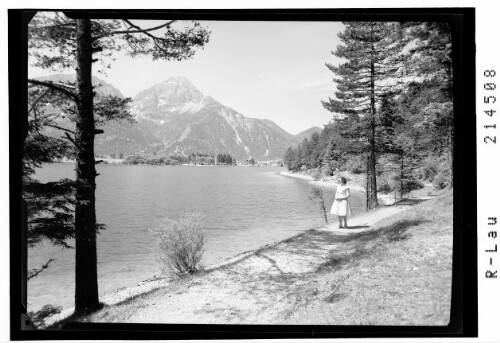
(364, 243)
(333, 297)
(356, 227)
(392, 232)
(407, 201)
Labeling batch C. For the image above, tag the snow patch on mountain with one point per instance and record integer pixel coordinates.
(191, 107)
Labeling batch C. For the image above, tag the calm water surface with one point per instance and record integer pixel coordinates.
(246, 207)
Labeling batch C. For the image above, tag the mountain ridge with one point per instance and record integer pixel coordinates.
(307, 133)
(175, 117)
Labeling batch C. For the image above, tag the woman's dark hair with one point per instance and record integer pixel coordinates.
(343, 180)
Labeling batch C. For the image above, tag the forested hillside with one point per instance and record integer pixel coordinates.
(392, 111)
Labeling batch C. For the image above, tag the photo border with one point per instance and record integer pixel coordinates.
(464, 315)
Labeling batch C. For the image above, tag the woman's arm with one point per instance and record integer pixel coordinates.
(343, 198)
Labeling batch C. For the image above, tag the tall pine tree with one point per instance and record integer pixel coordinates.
(64, 41)
(372, 51)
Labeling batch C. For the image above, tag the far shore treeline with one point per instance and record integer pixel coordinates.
(393, 111)
(193, 158)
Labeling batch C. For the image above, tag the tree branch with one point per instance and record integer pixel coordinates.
(32, 107)
(50, 26)
(146, 32)
(55, 87)
(60, 128)
(138, 29)
(34, 272)
(68, 137)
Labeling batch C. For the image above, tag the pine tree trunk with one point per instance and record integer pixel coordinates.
(449, 73)
(450, 157)
(367, 184)
(86, 291)
(401, 177)
(372, 195)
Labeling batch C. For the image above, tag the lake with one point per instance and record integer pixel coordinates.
(245, 207)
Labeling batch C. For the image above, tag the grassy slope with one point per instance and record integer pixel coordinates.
(397, 274)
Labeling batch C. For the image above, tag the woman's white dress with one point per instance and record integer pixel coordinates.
(341, 205)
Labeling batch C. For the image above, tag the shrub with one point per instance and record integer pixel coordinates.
(317, 197)
(428, 169)
(326, 170)
(316, 175)
(384, 187)
(442, 180)
(411, 185)
(180, 244)
(355, 164)
(387, 182)
(38, 318)
(408, 185)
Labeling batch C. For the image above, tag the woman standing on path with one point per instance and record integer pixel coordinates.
(341, 205)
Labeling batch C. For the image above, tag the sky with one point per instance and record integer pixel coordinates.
(268, 70)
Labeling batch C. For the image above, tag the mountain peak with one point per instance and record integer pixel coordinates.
(177, 79)
(178, 82)
(177, 86)
(173, 96)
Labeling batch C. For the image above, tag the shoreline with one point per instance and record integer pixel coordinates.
(363, 220)
(105, 160)
(319, 276)
(385, 199)
(159, 281)
(156, 282)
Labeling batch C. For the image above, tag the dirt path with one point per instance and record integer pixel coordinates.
(318, 277)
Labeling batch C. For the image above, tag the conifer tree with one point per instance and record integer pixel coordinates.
(432, 61)
(64, 41)
(289, 158)
(331, 158)
(395, 138)
(50, 206)
(373, 52)
(315, 158)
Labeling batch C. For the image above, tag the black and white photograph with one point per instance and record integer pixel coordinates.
(250, 171)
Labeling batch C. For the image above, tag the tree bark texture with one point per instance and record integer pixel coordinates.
(401, 176)
(86, 289)
(372, 201)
